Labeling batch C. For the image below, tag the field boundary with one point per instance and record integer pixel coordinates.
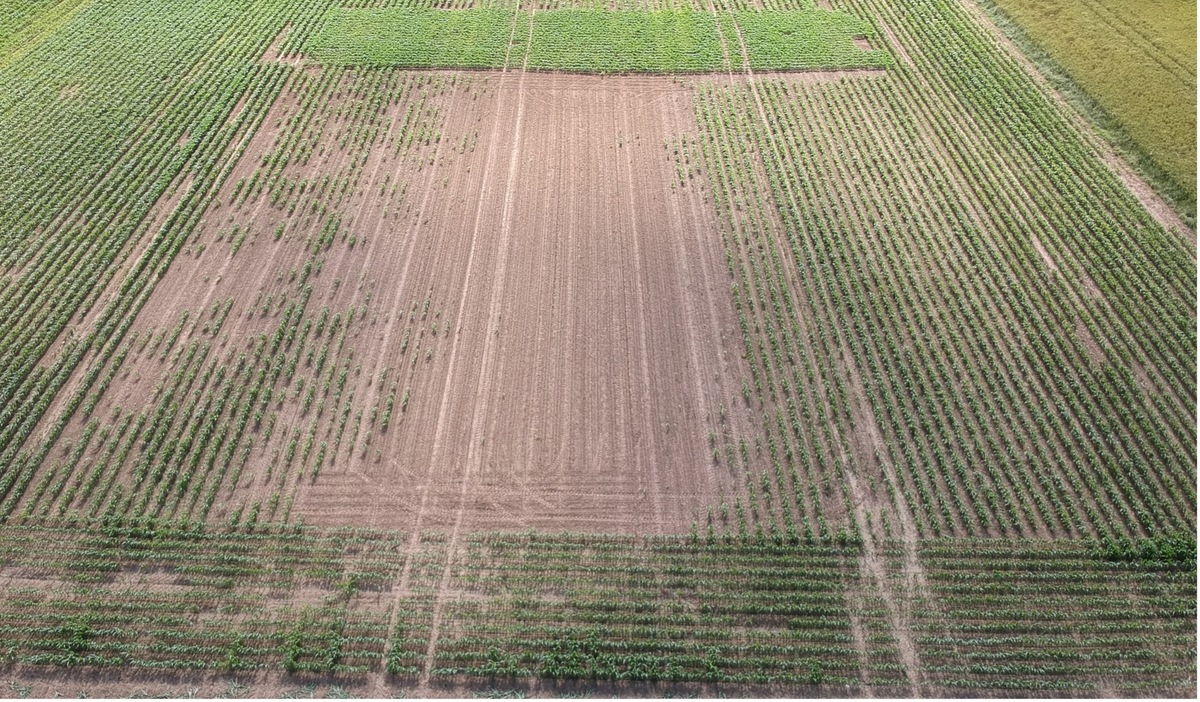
(1166, 201)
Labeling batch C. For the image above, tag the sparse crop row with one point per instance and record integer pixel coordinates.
(285, 396)
(953, 355)
(584, 607)
(1053, 616)
(94, 188)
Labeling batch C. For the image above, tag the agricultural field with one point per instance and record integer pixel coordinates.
(1137, 61)
(392, 347)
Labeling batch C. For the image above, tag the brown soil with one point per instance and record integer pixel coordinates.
(870, 505)
(1037, 244)
(553, 308)
(576, 382)
(1090, 345)
(1158, 208)
(1143, 380)
(1090, 289)
(271, 55)
(894, 43)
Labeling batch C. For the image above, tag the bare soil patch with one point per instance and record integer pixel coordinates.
(272, 55)
(535, 299)
(894, 43)
(588, 413)
(1037, 244)
(1143, 379)
(1090, 345)
(1090, 289)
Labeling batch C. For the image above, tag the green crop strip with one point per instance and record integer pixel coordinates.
(594, 41)
(779, 40)
(26, 23)
(415, 37)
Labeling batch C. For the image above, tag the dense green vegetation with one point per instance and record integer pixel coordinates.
(25, 23)
(970, 462)
(959, 324)
(594, 40)
(1048, 616)
(598, 41)
(786, 40)
(405, 36)
(1137, 60)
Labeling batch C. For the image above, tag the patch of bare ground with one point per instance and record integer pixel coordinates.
(1159, 209)
(1090, 345)
(237, 109)
(862, 43)
(579, 329)
(1037, 245)
(894, 43)
(272, 55)
(872, 507)
(1090, 289)
(529, 297)
(1143, 380)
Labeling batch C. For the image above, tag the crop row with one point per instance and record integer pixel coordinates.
(582, 615)
(977, 365)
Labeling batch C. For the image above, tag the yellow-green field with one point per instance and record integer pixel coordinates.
(1137, 59)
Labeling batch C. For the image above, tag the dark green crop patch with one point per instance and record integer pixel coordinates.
(595, 41)
(780, 40)
(598, 41)
(415, 37)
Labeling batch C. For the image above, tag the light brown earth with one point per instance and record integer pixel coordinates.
(589, 312)
(552, 301)
(1090, 345)
(1037, 244)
